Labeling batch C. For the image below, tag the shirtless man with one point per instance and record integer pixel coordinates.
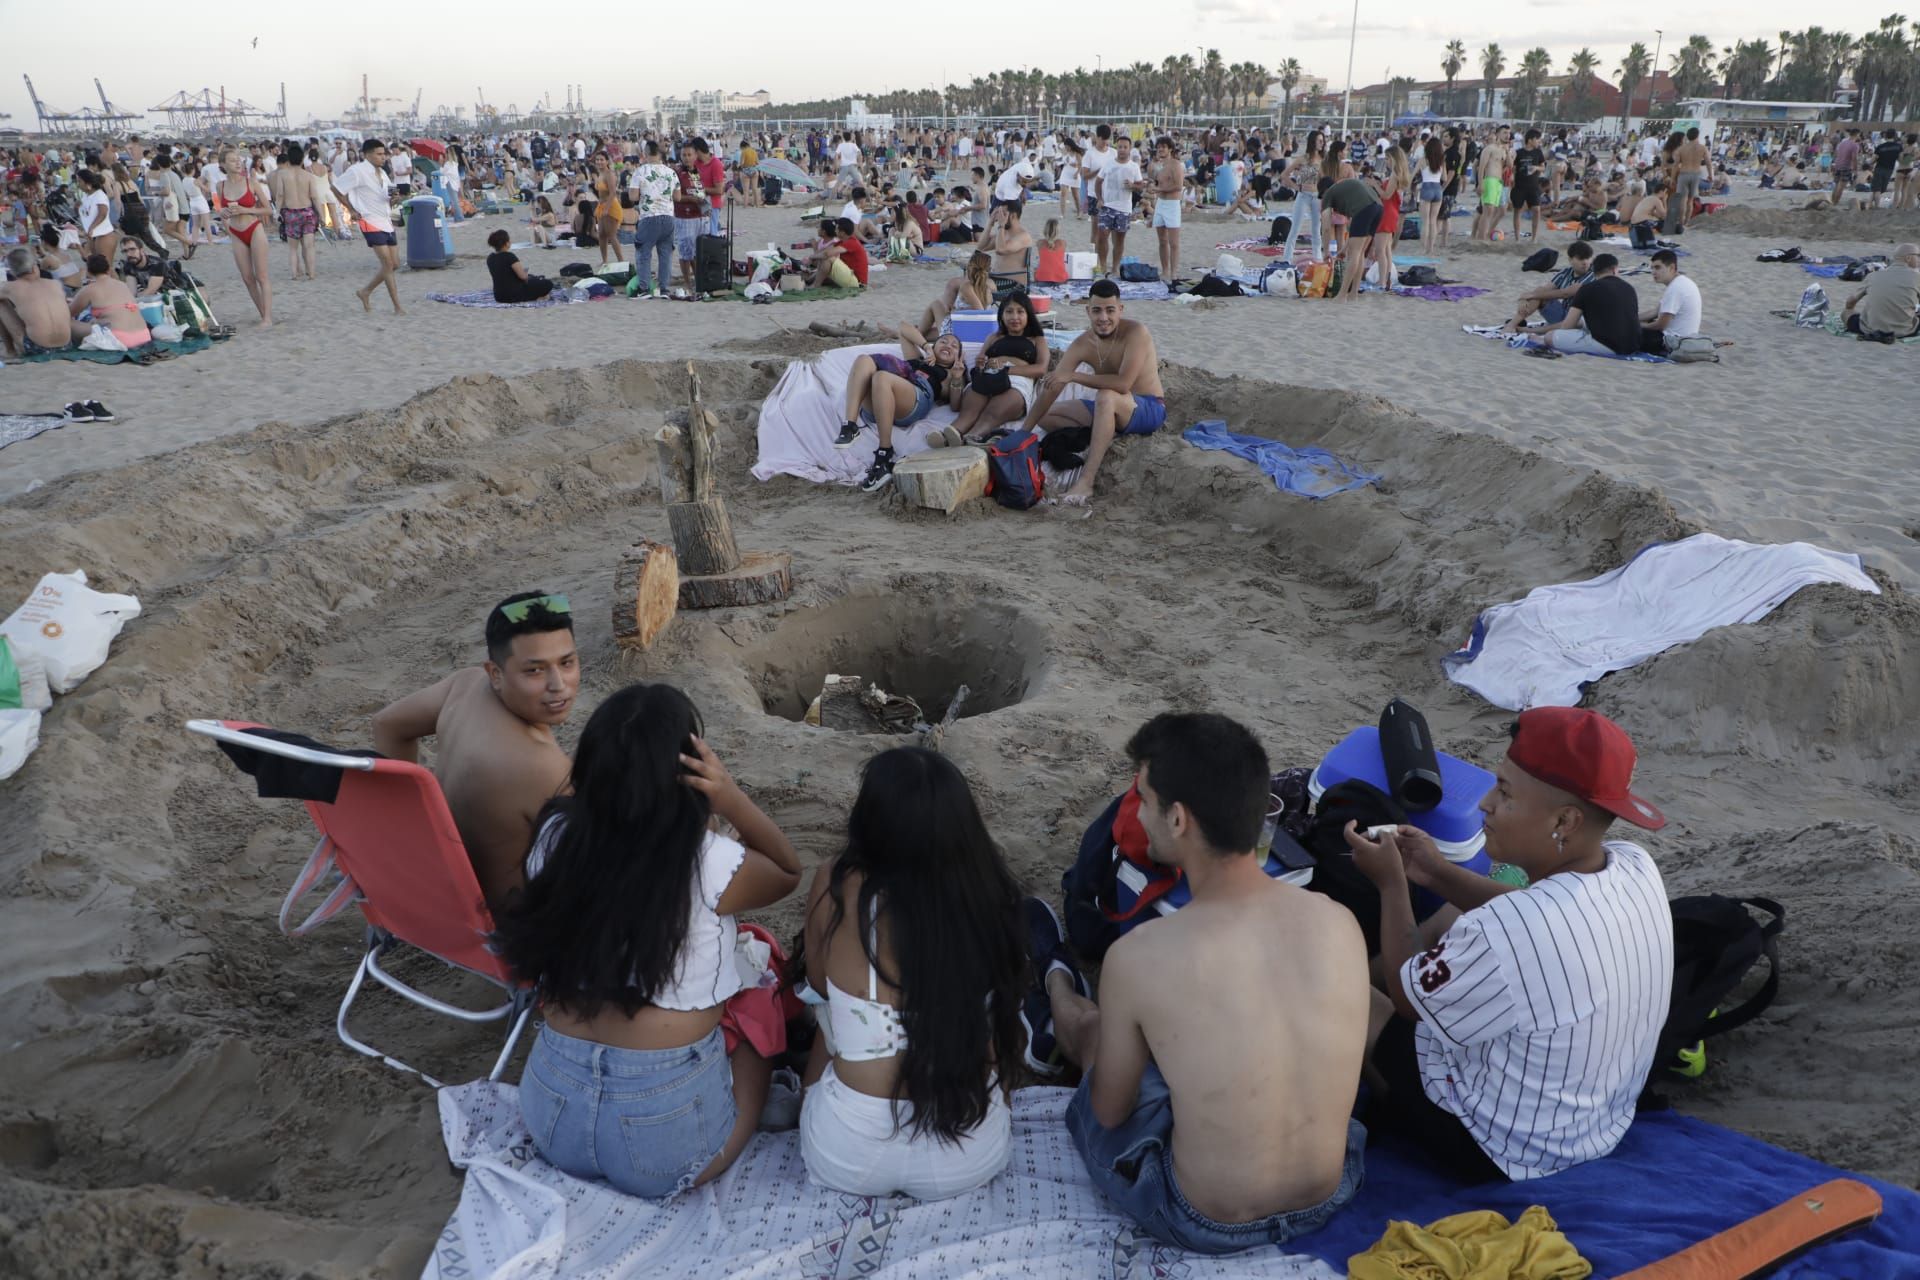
(1208, 1150)
(1124, 379)
(1168, 181)
(496, 757)
(33, 308)
(1008, 241)
(1692, 164)
(1491, 172)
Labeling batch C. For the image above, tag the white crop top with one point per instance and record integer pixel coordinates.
(706, 973)
(860, 1030)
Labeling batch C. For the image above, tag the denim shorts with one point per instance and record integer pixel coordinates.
(1133, 1165)
(686, 235)
(644, 1121)
(922, 406)
(1430, 192)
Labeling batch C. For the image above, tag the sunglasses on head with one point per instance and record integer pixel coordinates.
(519, 609)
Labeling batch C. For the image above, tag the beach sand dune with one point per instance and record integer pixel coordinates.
(172, 1098)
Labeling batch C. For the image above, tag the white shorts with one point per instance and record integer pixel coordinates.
(199, 205)
(851, 1144)
(1024, 386)
(1166, 213)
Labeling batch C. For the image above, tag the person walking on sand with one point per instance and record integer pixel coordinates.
(366, 189)
(296, 196)
(249, 205)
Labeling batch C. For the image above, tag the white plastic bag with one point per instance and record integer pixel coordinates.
(1230, 266)
(102, 339)
(69, 625)
(19, 735)
(23, 679)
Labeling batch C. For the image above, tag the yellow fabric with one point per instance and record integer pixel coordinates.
(1473, 1246)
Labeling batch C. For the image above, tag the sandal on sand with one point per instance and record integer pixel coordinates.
(947, 437)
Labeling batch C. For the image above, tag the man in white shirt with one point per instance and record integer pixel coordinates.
(402, 169)
(1518, 1043)
(366, 189)
(1678, 315)
(1011, 186)
(846, 154)
(1114, 188)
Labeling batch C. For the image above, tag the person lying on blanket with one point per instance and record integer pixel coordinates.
(1122, 369)
(912, 929)
(626, 929)
(1603, 317)
(1550, 300)
(495, 753)
(33, 309)
(1517, 1026)
(1888, 302)
(894, 392)
(1222, 1060)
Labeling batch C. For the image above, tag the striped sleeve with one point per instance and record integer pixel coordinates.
(1461, 987)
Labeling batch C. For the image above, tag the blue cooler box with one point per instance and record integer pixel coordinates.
(973, 327)
(1454, 824)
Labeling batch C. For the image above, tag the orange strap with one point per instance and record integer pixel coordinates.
(1758, 1245)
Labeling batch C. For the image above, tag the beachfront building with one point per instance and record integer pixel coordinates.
(706, 109)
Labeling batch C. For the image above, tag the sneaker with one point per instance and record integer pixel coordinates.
(77, 412)
(849, 432)
(880, 474)
(99, 411)
(1047, 947)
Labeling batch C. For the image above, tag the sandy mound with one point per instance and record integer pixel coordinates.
(1815, 218)
(173, 1099)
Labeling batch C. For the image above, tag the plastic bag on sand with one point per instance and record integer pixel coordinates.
(102, 339)
(19, 735)
(69, 625)
(23, 679)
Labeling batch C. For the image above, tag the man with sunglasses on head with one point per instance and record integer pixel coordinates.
(494, 749)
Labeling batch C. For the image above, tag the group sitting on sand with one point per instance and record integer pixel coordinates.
(1502, 1037)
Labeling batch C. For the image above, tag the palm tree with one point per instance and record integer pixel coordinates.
(1693, 67)
(1492, 63)
(1632, 70)
(1454, 59)
(1289, 77)
(1525, 99)
(1745, 68)
(1213, 74)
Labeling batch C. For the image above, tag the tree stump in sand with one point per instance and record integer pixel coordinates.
(942, 479)
(646, 591)
(713, 573)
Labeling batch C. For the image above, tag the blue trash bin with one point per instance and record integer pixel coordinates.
(428, 243)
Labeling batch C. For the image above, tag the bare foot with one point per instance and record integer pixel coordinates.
(266, 322)
(397, 311)
(366, 299)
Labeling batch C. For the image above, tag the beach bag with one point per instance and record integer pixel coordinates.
(1780, 255)
(69, 626)
(770, 189)
(1316, 281)
(1282, 228)
(1593, 227)
(1139, 272)
(1228, 265)
(1014, 478)
(1065, 448)
(1812, 311)
(1697, 349)
(1089, 888)
(1279, 279)
(23, 679)
(575, 271)
(1541, 260)
(1334, 875)
(1716, 941)
(1643, 235)
(19, 735)
(1416, 277)
(1212, 286)
(989, 382)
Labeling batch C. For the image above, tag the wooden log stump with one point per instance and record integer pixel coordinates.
(942, 479)
(704, 537)
(761, 578)
(646, 591)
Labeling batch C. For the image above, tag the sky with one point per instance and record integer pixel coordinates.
(447, 52)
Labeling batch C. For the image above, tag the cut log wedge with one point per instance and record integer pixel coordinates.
(646, 591)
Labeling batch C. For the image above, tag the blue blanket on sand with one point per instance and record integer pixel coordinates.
(1672, 1182)
(1312, 473)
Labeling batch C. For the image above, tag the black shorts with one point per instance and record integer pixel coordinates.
(1436, 1133)
(1367, 221)
(377, 238)
(1526, 196)
(1880, 180)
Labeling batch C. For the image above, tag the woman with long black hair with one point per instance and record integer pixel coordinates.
(915, 955)
(626, 928)
(1000, 386)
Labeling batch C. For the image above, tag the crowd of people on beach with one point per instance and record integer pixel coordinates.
(1503, 1027)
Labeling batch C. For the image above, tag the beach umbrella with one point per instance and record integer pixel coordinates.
(430, 147)
(789, 173)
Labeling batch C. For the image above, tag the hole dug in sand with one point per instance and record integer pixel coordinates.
(907, 645)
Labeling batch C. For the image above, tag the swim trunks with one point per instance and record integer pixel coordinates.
(1113, 219)
(378, 238)
(1166, 213)
(1149, 415)
(295, 223)
(1366, 222)
(1492, 192)
(28, 347)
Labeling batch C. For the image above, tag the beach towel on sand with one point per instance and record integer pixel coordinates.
(1523, 342)
(1544, 649)
(1309, 472)
(483, 299)
(16, 427)
(184, 347)
(1440, 292)
(1672, 1182)
(520, 1217)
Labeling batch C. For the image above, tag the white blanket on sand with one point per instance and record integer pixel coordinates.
(521, 1218)
(1541, 650)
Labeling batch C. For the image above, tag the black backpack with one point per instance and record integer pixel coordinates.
(1541, 260)
(1716, 940)
(1278, 232)
(1644, 235)
(1335, 876)
(1593, 227)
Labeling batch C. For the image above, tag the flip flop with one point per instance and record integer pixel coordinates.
(1077, 506)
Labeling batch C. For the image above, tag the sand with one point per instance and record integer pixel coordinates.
(316, 518)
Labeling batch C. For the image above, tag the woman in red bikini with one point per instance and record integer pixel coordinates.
(248, 207)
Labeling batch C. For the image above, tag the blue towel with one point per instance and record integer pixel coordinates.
(1672, 1182)
(1831, 270)
(1312, 473)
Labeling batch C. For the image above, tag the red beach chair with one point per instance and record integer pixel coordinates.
(384, 825)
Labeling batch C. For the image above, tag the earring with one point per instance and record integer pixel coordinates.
(1559, 842)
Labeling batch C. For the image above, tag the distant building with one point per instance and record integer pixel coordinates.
(706, 108)
(1308, 87)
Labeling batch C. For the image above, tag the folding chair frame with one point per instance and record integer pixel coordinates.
(519, 1006)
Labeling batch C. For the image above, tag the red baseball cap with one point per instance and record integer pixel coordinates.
(1582, 752)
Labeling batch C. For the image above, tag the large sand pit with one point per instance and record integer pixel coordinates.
(172, 1098)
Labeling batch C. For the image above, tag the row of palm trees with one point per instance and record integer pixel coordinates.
(1183, 83)
(1805, 66)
